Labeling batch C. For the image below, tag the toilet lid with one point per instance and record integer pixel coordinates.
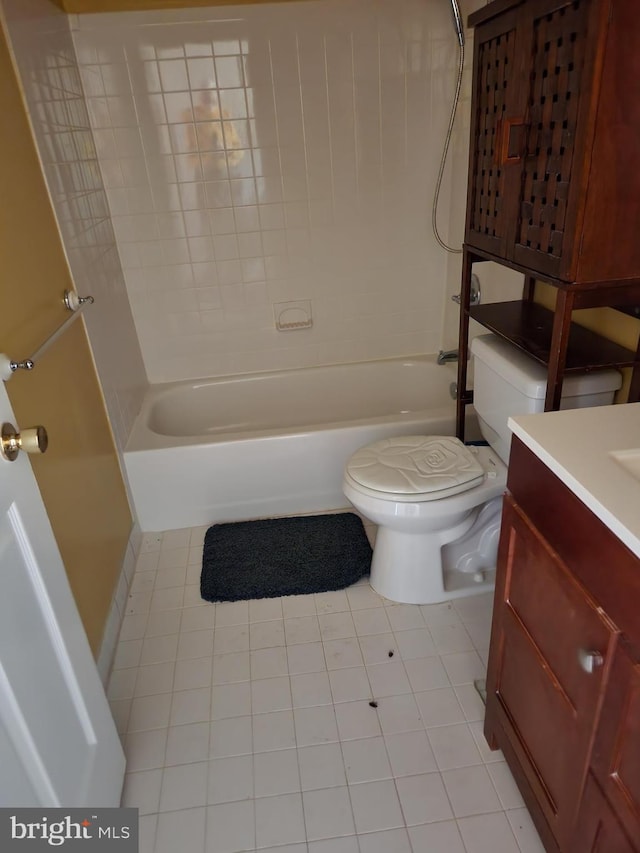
(433, 467)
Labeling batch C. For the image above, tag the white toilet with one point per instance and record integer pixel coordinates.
(437, 502)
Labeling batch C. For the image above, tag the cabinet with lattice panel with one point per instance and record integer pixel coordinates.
(554, 176)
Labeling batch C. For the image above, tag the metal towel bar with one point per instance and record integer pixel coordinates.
(75, 304)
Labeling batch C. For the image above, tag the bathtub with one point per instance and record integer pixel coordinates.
(269, 444)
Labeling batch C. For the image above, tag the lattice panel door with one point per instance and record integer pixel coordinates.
(495, 83)
(558, 56)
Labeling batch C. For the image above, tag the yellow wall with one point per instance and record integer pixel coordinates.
(614, 325)
(79, 476)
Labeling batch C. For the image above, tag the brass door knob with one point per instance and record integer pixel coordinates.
(32, 440)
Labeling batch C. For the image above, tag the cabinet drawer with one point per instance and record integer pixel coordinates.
(548, 701)
(616, 753)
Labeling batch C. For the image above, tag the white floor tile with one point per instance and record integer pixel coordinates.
(524, 831)
(463, 667)
(399, 714)
(388, 679)
(328, 813)
(230, 779)
(147, 826)
(395, 840)
(346, 844)
(184, 786)
(231, 638)
(315, 725)
(349, 685)
(231, 700)
(373, 621)
(439, 707)
(330, 723)
(273, 731)
(410, 753)
(279, 820)
(270, 694)
(342, 653)
(302, 629)
(376, 806)
(426, 674)
(423, 799)
(366, 760)
(321, 766)
(159, 649)
(230, 827)
(142, 791)
(193, 673)
(232, 736)
(150, 712)
(416, 643)
(191, 706)
(454, 746)
(505, 785)
(331, 602)
(308, 657)
(357, 720)
(181, 830)
(230, 613)
(145, 750)
(378, 648)
(441, 837)
(276, 773)
(265, 609)
(470, 791)
(488, 833)
(187, 744)
(269, 663)
(294, 606)
(404, 617)
(231, 667)
(336, 626)
(265, 635)
(198, 618)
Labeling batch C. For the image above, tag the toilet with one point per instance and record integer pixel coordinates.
(438, 502)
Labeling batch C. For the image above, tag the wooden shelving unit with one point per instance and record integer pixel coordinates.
(554, 178)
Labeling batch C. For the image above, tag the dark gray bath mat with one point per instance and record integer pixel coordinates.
(283, 556)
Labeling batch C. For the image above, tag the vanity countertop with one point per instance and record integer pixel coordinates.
(592, 452)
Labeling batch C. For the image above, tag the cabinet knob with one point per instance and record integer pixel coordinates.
(589, 660)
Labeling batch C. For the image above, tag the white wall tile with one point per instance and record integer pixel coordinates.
(314, 128)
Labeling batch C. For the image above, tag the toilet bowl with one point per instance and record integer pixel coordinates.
(437, 505)
(437, 502)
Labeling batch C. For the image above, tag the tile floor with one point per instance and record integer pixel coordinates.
(248, 726)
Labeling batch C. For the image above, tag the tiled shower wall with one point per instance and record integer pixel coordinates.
(255, 156)
(43, 49)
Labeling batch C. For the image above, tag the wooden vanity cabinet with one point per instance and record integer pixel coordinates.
(563, 680)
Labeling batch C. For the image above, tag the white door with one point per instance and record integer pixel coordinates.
(58, 742)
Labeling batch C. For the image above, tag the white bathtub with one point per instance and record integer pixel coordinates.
(272, 444)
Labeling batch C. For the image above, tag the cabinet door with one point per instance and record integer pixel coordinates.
(561, 41)
(540, 698)
(598, 829)
(497, 111)
(616, 753)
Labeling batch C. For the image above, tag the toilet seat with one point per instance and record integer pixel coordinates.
(415, 468)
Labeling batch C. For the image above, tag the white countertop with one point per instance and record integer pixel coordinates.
(577, 446)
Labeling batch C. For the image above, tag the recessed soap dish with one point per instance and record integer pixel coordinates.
(291, 316)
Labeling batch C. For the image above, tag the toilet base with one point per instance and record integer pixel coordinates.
(419, 568)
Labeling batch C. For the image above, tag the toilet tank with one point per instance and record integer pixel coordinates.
(508, 382)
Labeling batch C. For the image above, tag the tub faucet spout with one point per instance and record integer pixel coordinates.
(445, 356)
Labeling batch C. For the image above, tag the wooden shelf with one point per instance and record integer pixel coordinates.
(528, 326)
